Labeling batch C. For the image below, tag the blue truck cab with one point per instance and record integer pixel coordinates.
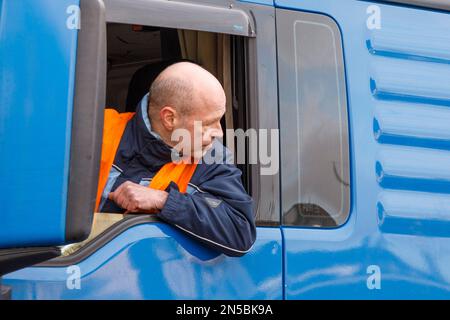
(359, 92)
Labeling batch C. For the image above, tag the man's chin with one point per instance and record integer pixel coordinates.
(198, 155)
(194, 157)
(190, 159)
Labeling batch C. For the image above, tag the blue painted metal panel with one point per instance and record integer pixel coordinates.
(37, 72)
(398, 83)
(398, 80)
(155, 261)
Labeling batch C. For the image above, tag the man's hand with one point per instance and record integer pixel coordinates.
(136, 198)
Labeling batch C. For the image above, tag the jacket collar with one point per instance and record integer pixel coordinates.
(143, 107)
(140, 142)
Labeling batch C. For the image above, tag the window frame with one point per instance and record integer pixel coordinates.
(431, 4)
(260, 71)
(288, 19)
(181, 15)
(87, 120)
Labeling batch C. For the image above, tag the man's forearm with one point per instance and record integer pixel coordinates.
(227, 228)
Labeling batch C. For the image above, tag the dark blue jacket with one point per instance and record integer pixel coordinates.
(215, 210)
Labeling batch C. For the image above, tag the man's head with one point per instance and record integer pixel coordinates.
(181, 95)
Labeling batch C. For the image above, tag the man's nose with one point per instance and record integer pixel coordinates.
(217, 133)
(212, 134)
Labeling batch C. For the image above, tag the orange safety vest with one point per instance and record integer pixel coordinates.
(113, 129)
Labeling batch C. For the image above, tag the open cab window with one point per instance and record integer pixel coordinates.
(135, 56)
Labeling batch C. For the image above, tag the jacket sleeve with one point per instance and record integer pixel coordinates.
(219, 213)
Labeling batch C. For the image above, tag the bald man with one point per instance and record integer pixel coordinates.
(206, 200)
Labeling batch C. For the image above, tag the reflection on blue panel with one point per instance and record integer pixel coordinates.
(398, 82)
(155, 261)
(37, 70)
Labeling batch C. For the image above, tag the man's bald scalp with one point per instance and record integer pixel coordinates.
(179, 85)
(170, 91)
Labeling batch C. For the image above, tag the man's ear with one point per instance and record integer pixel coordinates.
(168, 117)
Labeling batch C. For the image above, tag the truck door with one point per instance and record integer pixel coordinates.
(140, 257)
(364, 112)
(50, 125)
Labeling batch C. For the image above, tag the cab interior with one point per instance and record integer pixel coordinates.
(137, 54)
